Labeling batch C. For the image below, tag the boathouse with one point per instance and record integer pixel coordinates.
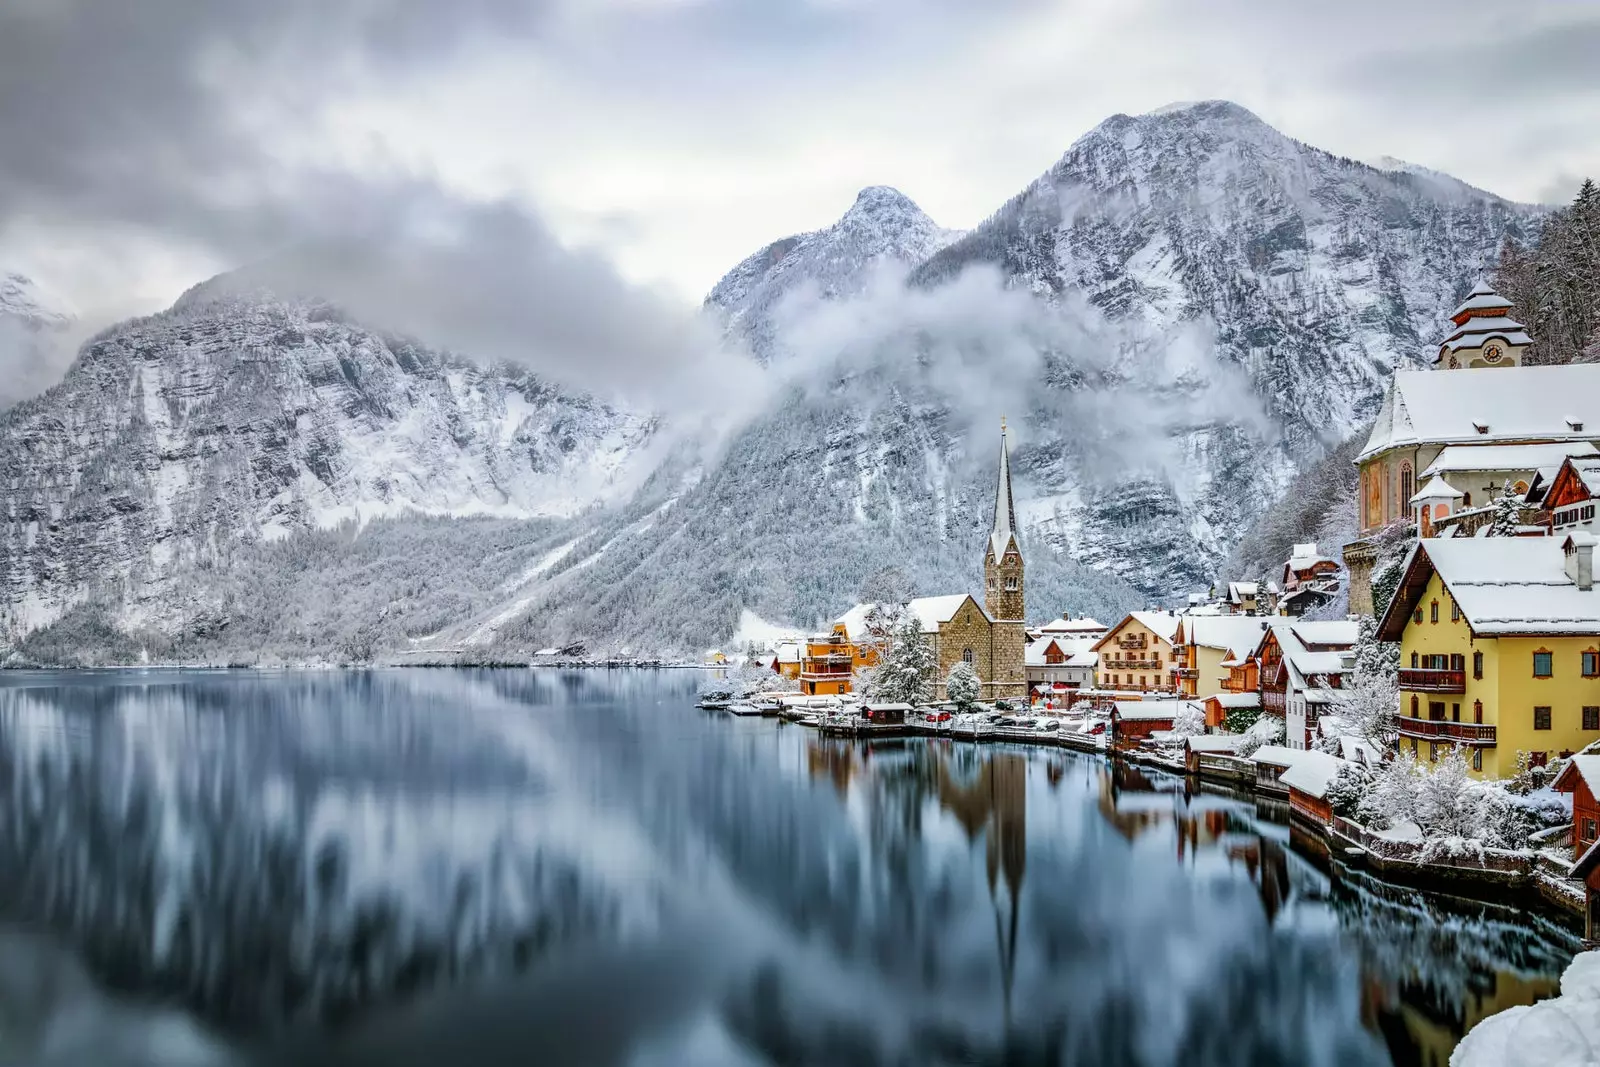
(1308, 782)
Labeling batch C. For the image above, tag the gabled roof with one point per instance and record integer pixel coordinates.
(1278, 755)
(1236, 700)
(1512, 403)
(1214, 742)
(1487, 458)
(1503, 585)
(1312, 773)
(1575, 478)
(933, 610)
(1234, 634)
(1585, 766)
(1241, 591)
(1152, 710)
(855, 621)
(1436, 489)
(1163, 624)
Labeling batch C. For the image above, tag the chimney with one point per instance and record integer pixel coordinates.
(1579, 551)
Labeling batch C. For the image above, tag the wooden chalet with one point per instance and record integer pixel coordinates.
(1570, 501)
(1581, 778)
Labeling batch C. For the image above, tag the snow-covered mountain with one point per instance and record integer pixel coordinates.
(883, 231)
(235, 418)
(1180, 315)
(32, 327)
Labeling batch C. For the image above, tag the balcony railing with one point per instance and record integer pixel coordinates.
(1466, 733)
(1188, 672)
(1135, 664)
(1432, 680)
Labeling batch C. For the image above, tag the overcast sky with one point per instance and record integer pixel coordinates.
(149, 144)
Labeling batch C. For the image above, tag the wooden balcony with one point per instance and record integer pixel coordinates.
(1135, 664)
(1461, 733)
(1432, 680)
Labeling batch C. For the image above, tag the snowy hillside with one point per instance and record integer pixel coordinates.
(883, 230)
(237, 419)
(32, 326)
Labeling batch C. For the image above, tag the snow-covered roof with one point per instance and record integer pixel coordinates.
(1326, 697)
(1588, 472)
(1304, 557)
(1507, 457)
(789, 652)
(1583, 766)
(1232, 633)
(1237, 700)
(1147, 710)
(1482, 298)
(1240, 591)
(1278, 755)
(933, 610)
(1214, 742)
(1081, 625)
(1505, 585)
(1004, 532)
(855, 621)
(1437, 489)
(1033, 654)
(1086, 658)
(1312, 773)
(1511, 403)
(1163, 624)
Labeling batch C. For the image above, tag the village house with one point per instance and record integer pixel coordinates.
(1499, 648)
(1309, 580)
(1569, 502)
(1461, 486)
(1133, 722)
(1059, 665)
(1137, 654)
(1071, 628)
(1462, 427)
(1302, 667)
(829, 662)
(787, 659)
(1205, 642)
(1581, 778)
(1271, 762)
(1244, 598)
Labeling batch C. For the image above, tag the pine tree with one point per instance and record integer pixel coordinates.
(905, 674)
(1507, 518)
(962, 684)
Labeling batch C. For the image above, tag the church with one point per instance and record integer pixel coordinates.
(991, 637)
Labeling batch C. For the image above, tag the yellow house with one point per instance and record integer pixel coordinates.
(1205, 642)
(1138, 654)
(830, 661)
(1499, 648)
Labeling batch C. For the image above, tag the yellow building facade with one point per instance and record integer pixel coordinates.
(1498, 654)
(1138, 654)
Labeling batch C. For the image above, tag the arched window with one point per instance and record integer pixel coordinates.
(1407, 491)
(1011, 583)
(1415, 706)
(1466, 500)
(967, 657)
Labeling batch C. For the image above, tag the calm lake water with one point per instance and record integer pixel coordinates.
(508, 867)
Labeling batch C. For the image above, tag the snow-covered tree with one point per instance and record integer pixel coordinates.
(1449, 803)
(905, 673)
(1347, 788)
(962, 684)
(1190, 721)
(1507, 517)
(1267, 730)
(1392, 796)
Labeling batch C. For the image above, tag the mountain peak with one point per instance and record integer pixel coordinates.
(880, 198)
(1205, 109)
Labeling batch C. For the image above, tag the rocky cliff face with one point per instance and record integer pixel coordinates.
(240, 418)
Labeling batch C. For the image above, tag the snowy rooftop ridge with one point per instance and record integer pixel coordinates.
(1503, 585)
(1475, 458)
(1427, 406)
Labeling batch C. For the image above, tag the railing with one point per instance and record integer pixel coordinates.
(1469, 733)
(1433, 680)
(1188, 672)
(1135, 664)
(826, 672)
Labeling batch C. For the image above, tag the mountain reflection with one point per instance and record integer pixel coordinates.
(481, 866)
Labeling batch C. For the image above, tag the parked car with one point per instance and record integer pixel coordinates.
(1098, 728)
(996, 718)
(935, 715)
(1047, 725)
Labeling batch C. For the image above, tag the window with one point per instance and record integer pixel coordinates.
(1011, 583)
(1541, 718)
(1458, 662)
(1543, 664)
(1591, 718)
(1589, 829)
(1477, 759)
(1477, 665)
(1466, 500)
(1143, 681)
(1417, 615)
(1406, 489)
(1433, 612)
(1591, 664)
(1436, 710)
(1455, 611)
(1455, 712)
(968, 657)
(1477, 712)
(1414, 706)
(1413, 659)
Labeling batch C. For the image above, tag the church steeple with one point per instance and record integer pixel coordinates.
(1002, 561)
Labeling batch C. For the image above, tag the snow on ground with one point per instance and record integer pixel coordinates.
(485, 633)
(754, 630)
(1562, 1032)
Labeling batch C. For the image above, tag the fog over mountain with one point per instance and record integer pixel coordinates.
(1175, 318)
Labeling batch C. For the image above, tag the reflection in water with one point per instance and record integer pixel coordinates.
(404, 867)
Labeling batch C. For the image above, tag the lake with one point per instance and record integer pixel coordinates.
(578, 867)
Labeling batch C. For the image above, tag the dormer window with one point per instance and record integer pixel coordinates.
(1575, 425)
(1481, 427)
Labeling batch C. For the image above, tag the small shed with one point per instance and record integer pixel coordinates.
(1308, 782)
(1134, 721)
(1219, 704)
(1271, 762)
(886, 714)
(1213, 744)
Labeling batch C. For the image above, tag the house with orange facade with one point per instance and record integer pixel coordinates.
(830, 660)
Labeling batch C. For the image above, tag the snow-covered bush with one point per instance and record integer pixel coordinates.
(1530, 776)
(962, 684)
(1347, 788)
(1392, 795)
(1267, 730)
(1449, 803)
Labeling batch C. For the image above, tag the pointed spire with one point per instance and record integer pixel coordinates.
(1005, 523)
